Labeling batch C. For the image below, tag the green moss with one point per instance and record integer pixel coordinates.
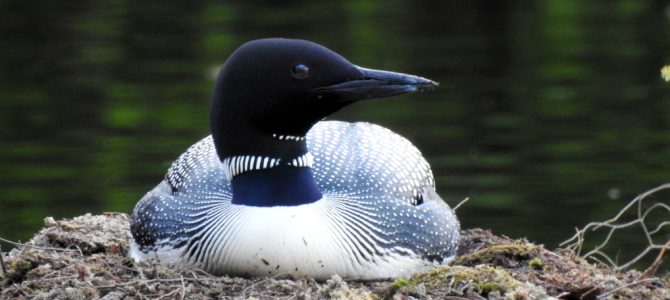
(400, 283)
(536, 263)
(498, 253)
(483, 279)
(396, 286)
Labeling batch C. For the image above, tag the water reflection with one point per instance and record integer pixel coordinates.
(544, 109)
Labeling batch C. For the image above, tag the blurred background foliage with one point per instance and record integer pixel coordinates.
(549, 114)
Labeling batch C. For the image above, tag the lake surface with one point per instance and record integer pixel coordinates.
(549, 114)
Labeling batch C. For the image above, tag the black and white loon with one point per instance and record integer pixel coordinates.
(275, 190)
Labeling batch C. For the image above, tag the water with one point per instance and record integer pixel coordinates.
(549, 115)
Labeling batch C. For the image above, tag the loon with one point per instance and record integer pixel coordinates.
(277, 191)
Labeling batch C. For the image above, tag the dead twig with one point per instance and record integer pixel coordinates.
(169, 295)
(613, 225)
(461, 203)
(183, 287)
(2, 262)
(244, 292)
(158, 280)
(604, 295)
(37, 247)
(651, 270)
(43, 280)
(111, 264)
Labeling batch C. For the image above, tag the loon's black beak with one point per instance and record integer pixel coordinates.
(374, 84)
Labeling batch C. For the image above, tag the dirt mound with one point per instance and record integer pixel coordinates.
(85, 258)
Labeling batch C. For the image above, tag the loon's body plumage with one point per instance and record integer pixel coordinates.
(375, 213)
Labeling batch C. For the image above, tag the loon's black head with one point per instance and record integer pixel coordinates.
(282, 87)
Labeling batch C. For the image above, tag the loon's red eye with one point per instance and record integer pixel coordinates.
(300, 71)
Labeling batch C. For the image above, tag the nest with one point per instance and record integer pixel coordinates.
(86, 257)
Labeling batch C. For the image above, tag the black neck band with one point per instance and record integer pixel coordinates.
(279, 186)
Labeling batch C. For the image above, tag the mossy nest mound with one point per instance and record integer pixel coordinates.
(86, 258)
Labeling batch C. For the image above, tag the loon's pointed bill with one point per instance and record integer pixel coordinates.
(277, 190)
(375, 84)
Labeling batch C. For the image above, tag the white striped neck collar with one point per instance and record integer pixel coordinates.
(271, 170)
(286, 137)
(239, 164)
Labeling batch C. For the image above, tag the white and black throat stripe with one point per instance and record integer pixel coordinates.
(284, 137)
(236, 165)
(305, 160)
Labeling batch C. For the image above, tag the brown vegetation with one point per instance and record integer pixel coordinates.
(86, 258)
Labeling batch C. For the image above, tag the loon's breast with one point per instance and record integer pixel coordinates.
(379, 216)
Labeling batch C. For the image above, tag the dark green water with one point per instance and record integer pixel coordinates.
(549, 115)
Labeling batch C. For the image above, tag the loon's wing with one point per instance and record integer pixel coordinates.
(381, 184)
(194, 191)
(367, 159)
(198, 173)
